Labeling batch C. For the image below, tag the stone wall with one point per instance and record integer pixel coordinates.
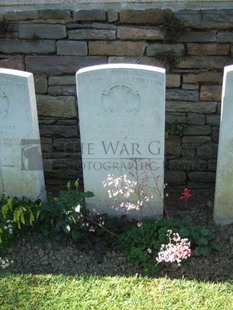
(193, 45)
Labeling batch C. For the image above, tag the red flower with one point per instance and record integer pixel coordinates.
(186, 194)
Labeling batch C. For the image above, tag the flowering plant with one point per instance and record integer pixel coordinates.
(123, 188)
(186, 194)
(175, 251)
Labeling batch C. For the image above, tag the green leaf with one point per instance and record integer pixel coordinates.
(74, 234)
(202, 241)
(216, 246)
(202, 251)
(184, 232)
(204, 232)
(76, 184)
(89, 194)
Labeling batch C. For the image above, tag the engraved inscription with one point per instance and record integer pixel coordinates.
(4, 104)
(121, 98)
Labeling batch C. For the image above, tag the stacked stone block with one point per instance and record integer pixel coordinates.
(54, 44)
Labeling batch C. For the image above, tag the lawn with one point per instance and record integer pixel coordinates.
(85, 293)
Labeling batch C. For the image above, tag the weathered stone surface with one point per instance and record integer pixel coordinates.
(194, 107)
(215, 134)
(89, 15)
(124, 98)
(139, 33)
(63, 106)
(112, 16)
(173, 146)
(16, 63)
(197, 130)
(190, 86)
(59, 65)
(41, 85)
(197, 36)
(58, 131)
(231, 51)
(21, 167)
(195, 119)
(208, 62)
(118, 59)
(208, 150)
(203, 77)
(106, 26)
(67, 122)
(175, 117)
(62, 80)
(216, 19)
(46, 145)
(196, 140)
(188, 164)
(182, 94)
(211, 92)
(199, 185)
(41, 31)
(213, 120)
(212, 165)
(198, 176)
(224, 36)
(223, 206)
(118, 48)
(190, 18)
(62, 90)
(23, 15)
(92, 34)
(54, 14)
(172, 80)
(158, 49)
(152, 16)
(196, 49)
(175, 177)
(64, 145)
(80, 25)
(71, 48)
(197, 107)
(151, 61)
(27, 47)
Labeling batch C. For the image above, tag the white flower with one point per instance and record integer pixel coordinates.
(77, 208)
(174, 252)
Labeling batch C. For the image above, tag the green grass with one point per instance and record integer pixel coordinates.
(110, 293)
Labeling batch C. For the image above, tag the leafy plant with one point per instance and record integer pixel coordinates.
(15, 215)
(143, 242)
(64, 214)
(175, 128)
(5, 28)
(173, 28)
(169, 58)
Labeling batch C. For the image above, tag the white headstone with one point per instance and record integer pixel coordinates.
(21, 169)
(122, 119)
(223, 205)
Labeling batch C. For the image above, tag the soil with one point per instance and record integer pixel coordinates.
(31, 256)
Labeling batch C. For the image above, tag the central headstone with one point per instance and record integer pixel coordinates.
(21, 169)
(122, 118)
